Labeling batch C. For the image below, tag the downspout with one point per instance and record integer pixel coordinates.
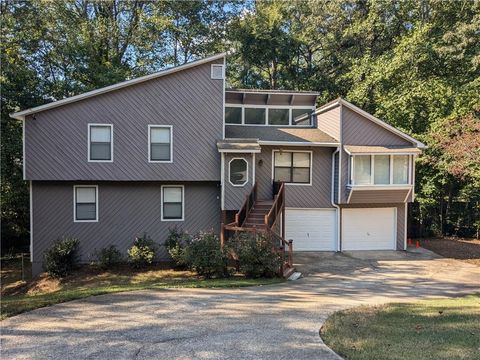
(332, 197)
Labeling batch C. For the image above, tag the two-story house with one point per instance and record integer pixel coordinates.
(178, 148)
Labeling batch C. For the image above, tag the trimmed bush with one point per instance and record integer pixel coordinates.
(142, 252)
(256, 255)
(61, 258)
(108, 257)
(176, 243)
(204, 256)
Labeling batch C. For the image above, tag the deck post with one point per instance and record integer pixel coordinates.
(222, 235)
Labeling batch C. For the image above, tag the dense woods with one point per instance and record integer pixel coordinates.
(414, 64)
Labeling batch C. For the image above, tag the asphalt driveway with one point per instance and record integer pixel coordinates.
(269, 322)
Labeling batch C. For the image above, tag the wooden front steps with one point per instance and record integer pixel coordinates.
(256, 216)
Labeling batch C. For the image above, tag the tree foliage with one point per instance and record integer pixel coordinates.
(414, 64)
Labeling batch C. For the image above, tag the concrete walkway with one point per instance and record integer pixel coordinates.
(269, 322)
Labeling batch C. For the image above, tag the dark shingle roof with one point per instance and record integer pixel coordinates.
(283, 134)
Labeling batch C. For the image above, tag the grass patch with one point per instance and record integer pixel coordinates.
(431, 329)
(19, 297)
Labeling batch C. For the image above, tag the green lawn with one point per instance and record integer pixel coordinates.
(432, 329)
(18, 296)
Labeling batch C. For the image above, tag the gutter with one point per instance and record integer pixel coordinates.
(332, 199)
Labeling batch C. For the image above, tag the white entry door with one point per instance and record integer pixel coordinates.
(369, 229)
(311, 229)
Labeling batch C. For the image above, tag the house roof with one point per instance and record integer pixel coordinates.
(273, 91)
(20, 115)
(270, 135)
(387, 150)
(370, 117)
(238, 145)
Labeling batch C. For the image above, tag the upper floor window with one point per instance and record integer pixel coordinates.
(292, 167)
(100, 145)
(273, 115)
(173, 202)
(380, 170)
(160, 143)
(85, 203)
(233, 115)
(238, 172)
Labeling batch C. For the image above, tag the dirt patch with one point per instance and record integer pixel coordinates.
(467, 250)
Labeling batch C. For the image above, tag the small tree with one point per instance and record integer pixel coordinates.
(142, 252)
(61, 258)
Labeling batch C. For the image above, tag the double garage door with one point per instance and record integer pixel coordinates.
(362, 229)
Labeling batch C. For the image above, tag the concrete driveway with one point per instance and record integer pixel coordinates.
(269, 322)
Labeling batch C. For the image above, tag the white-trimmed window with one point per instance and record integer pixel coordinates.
(85, 203)
(100, 142)
(160, 143)
(238, 171)
(271, 115)
(294, 167)
(380, 169)
(173, 202)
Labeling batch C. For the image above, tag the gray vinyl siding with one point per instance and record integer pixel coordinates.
(318, 195)
(126, 210)
(234, 196)
(329, 122)
(400, 218)
(189, 100)
(358, 130)
(378, 196)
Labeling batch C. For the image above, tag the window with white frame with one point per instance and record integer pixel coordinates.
(238, 172)
(85, 203)
(160, 143)
(233, 115)
(273, 115)
(292, 167)
(173, 203)
(100, 146)
(380, 169)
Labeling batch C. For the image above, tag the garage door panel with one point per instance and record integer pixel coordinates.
(368, 229)
(311, 229)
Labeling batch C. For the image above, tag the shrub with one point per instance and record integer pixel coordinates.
(61, 258)
(142, 252)
(176, 243)
(256, 255)
(204, 256)
(108, 257)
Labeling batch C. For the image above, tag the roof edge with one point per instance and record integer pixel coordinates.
(340, 101)
(20, 115)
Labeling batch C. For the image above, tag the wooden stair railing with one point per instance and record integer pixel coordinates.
(271, 222)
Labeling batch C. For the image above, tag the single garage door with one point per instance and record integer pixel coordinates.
(368, 229)
(311, 229)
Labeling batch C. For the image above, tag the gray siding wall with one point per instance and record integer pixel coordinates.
(400, 218)
(357, 130)
(126, 210)
(56, 141)
(378, 196)
(329, 122)
(318, 195)
(235, 195)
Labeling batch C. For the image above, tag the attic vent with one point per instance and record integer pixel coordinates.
(217, 72)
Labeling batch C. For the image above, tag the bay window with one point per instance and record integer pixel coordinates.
(379, 169)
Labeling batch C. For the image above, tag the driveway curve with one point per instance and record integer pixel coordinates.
(267, 322)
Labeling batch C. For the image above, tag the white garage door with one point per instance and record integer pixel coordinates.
(311, 229)
(368, 229)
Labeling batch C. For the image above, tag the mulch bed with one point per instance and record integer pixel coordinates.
(464, 249)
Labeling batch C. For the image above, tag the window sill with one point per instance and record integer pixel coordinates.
(380, 187)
